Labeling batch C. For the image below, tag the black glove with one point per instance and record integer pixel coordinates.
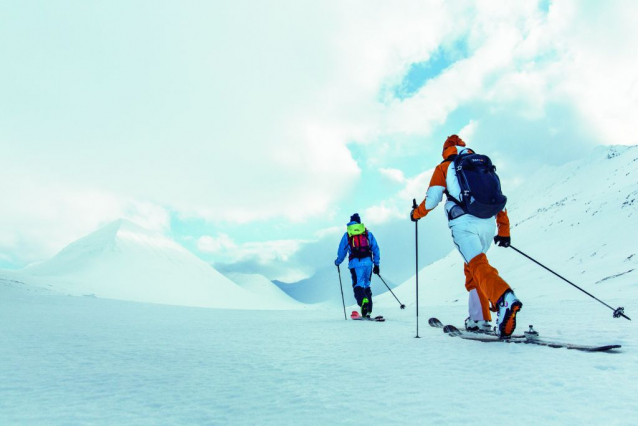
(502, 241)
(375, 270)
(412, 216)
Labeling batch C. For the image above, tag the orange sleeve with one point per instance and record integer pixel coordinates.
(434, 194)
(503, 223)
(439, 175)
(421, 211)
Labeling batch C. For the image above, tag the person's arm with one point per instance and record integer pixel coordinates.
(434, 194)
(503, 239)
(376, 252)
(503, 223)
(342, 251)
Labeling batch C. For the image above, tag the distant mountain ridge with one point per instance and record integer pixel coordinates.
(262, 286)
(127, 262)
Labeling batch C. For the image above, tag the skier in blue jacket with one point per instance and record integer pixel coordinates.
(364, 259)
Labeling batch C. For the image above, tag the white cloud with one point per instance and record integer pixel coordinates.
(467, 132)
(416, 186)
(263, 252)
(381, 213)
(44, 215)
(221, 243)
(147, 215)
(331, 231)
(394, 175)
(251, 120)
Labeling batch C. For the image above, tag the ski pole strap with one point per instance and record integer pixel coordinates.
(619, 312)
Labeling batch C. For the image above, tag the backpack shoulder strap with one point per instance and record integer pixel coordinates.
(449, 159)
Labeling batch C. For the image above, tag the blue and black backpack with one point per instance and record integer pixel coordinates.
(481, 194)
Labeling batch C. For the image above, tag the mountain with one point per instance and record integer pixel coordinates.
(127, 262)
(323, 287)
(578, 219)
(264, 288)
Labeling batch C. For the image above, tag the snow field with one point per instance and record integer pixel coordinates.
(71, 360)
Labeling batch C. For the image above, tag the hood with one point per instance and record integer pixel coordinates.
(450, 146)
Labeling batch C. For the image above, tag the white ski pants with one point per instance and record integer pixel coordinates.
(473, 236)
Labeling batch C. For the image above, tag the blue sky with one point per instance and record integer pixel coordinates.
(249, 132)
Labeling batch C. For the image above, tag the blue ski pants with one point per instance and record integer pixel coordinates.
(361, 277)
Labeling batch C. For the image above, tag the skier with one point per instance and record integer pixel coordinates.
(473, 234)
(364, 260)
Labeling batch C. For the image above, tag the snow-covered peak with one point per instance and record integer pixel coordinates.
(121, 235)
(125, 261)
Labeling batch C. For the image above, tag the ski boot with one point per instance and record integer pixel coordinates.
(508, 306)
(364, 308)
(478, 326)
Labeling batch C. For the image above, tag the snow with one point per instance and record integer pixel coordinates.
(265, 289)
(127, 262)
(72, 360)
(98, 360)
(322, 288)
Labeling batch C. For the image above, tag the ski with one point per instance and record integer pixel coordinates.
(375, 319)
(357, 317)
(530, 337)
(436, 323)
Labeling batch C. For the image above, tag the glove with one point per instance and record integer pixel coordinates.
(336, 262)
(502, 241)
(375, 270)
(412, 216)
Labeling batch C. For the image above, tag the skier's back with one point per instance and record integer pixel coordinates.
(363, 253)
(472, 235)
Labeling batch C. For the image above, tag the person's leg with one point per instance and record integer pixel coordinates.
(368, 292)
(356, 288)
(466, 237)
(479, 306)
(359, 294)
(364, 275)
(471, 236)
(487, 278)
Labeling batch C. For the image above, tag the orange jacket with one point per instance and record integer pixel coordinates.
(439, 184)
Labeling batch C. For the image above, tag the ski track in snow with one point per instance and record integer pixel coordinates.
(74, 360)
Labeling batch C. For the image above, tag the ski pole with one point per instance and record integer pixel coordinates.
(618, 312)
(342, 299)
(416, 243)
(395, 296)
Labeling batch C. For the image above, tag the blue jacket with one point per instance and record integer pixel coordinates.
(344, 250)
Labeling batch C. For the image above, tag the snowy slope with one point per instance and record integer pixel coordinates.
(127, 262)
(578, 219)
(78, 360)
(323, 287)
(264, 288)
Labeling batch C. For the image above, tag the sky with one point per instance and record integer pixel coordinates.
(250, 131)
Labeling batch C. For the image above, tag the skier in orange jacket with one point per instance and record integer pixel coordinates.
(473, 234)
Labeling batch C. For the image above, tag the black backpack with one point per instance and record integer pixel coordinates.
(481, 194)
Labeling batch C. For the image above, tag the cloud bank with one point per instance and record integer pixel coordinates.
(246, 112)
